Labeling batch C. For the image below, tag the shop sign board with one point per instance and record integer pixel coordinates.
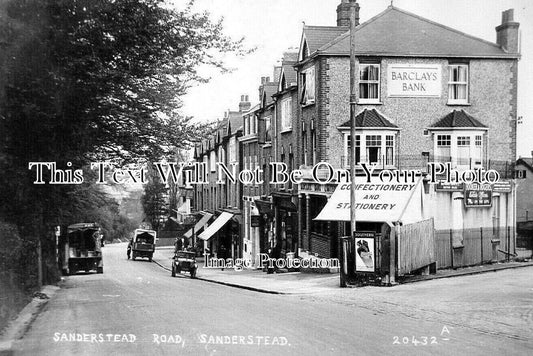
(365, 251)
(478, 195)
(449, 187)
(255, 220)
(414, 80)
(502, 186)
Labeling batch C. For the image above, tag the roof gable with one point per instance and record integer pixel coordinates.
(395, 32)
(458, 119)
(370, 118)
(267, 90)
(234, 123)
(527, 162)
(314, 37)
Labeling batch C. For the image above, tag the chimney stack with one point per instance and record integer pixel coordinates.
(277, 73)
(244, 105)
(343, 13)
(507, 32)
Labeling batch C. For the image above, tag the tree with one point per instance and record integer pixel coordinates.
(91, 80)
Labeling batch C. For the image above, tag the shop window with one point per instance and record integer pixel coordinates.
(369, 83)
(458, 84)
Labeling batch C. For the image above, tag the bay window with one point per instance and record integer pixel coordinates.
(372, 147)
(463, 148)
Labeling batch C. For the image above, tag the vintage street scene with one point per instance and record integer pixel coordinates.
(303, 177)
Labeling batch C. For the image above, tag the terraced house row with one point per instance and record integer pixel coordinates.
(425, 93)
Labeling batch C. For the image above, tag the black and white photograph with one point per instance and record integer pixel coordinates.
(266, 177)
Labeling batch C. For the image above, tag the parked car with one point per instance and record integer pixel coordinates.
(184, 261)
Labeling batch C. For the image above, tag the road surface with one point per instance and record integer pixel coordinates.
(136, 308)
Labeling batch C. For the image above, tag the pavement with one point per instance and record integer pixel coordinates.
(137, 308)
(18, 327)
(255, 279)
(307, 283)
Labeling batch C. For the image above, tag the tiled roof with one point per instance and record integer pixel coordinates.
(235, 122)
(458, 118)
(318, 36)
(289, 73)
(370, 118)
(396, 32)
(528, 162)
(269, 89)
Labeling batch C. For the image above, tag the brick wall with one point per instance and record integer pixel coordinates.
(320, 245)
(492, 93)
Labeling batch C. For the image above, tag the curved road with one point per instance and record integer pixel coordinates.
(136, 308)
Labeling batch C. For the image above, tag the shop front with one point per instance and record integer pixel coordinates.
(286, 225)
(381, 209)
(221, 237)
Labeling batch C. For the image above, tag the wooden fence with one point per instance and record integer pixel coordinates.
(416, 246)
(479, 245)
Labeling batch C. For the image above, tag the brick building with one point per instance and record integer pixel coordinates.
(425, 93)
(220, 226)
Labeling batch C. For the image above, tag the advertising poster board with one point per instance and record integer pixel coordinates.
(365, 251)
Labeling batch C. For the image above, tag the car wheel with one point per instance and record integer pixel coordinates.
(178, 269)
(193, 273)
(100, 270)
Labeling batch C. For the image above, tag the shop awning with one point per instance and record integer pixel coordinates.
(376, 202)
(199, 224)
(264, 207)
(216, 225)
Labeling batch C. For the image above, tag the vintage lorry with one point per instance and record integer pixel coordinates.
(80, 249)
(142, 244)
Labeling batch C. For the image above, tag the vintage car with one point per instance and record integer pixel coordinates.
(80, 249)
(184, 261)
(142, 244)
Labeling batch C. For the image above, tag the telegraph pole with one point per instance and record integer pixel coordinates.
(353, 124)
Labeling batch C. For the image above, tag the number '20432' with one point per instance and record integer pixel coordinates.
(423, 340)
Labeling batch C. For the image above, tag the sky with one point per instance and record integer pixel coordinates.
(273, 26)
